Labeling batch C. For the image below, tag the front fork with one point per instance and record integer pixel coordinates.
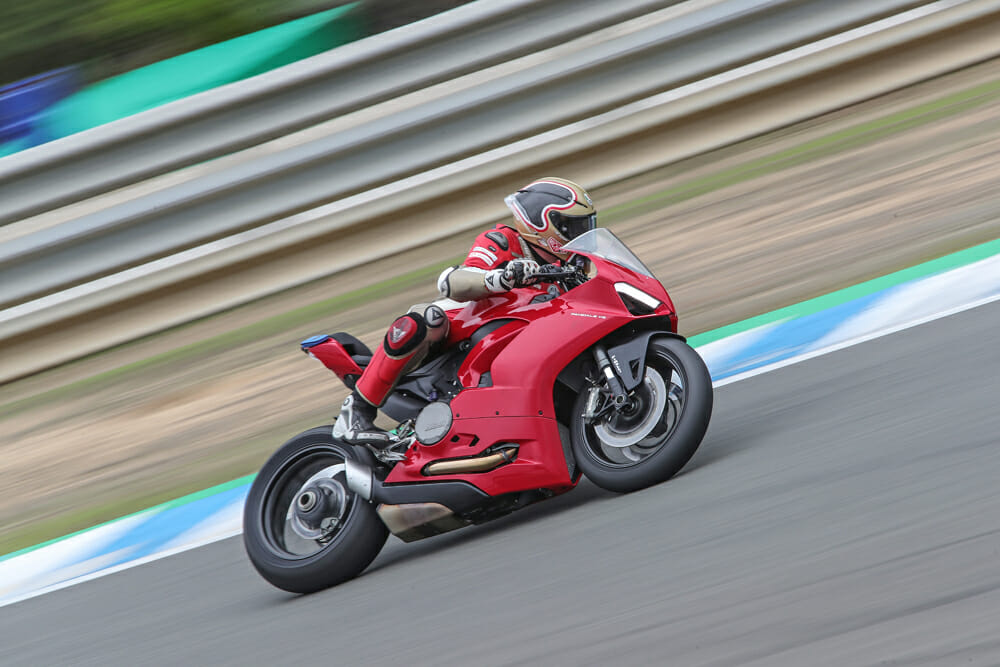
(616, 389)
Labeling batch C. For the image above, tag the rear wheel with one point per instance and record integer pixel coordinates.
(303, 529)
(656, 432)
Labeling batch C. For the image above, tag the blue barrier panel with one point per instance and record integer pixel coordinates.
(22, 104)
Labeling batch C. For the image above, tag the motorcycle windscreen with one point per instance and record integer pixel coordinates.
(602, 243)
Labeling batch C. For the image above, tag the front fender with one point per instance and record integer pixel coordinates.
(629, 356)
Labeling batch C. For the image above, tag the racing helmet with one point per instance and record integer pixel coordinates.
(551, 212)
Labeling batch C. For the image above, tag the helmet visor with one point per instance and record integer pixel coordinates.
(571, 226)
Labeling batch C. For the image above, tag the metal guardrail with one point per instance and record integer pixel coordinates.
(355, 76)
(684, 120)
(577, 79)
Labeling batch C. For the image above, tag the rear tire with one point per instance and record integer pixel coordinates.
(281, 546)
(683, 416)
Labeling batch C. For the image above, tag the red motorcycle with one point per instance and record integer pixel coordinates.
(582, 374)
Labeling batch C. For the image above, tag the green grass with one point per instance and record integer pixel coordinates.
(846, 139)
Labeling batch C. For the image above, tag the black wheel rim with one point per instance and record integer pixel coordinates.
(316, 474)
(612, 440)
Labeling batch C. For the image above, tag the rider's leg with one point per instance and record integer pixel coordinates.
(405, 346)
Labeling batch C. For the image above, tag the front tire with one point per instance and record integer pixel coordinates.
(659, 431)
(303, 529)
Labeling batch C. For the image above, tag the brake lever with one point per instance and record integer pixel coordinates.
(560, 274)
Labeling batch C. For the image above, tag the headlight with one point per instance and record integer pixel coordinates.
(637, 301)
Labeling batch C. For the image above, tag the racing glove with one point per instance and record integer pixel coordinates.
(495, 282)
(521, 272)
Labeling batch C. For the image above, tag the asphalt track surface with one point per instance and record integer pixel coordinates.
(841, 511)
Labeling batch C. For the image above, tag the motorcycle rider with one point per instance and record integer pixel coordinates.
(548, 213)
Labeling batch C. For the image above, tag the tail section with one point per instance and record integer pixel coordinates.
(342, 353)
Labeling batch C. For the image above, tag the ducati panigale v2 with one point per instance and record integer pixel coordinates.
(581, 374)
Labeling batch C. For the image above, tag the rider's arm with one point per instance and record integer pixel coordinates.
(465, 283)
(482, 273)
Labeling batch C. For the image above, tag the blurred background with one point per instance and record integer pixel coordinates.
(188, 188)
(63, 61)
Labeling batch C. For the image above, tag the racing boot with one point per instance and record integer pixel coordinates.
(356, 423)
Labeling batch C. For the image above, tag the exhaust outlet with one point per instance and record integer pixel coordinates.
(474, 464)
(360, 478)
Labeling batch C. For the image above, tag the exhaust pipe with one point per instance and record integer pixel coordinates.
(458, 496)
(474, 464)
(414, 511)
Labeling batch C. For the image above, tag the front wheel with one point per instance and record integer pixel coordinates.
(656, 433)
(303, 529)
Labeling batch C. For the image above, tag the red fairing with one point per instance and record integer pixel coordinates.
(480, 362)
(540, 464)
(335, 357)
(524, 357)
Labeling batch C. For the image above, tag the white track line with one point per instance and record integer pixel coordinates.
(118, 568)
(853, 341)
